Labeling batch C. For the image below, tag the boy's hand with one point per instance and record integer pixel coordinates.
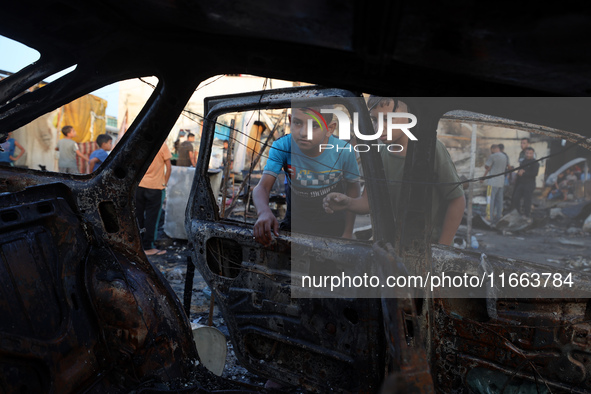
(335, 202)
(265, 226)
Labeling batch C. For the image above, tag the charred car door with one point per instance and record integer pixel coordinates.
(83, 310)
(511, 331)
(317, 343)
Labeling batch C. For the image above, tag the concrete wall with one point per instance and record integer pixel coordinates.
(39, 138)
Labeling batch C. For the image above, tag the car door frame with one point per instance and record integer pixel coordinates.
(203, 218)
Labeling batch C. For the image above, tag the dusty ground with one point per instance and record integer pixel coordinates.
(556, 239)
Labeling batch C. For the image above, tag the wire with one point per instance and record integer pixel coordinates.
(389, 181)
(363, 177)
(209, 83)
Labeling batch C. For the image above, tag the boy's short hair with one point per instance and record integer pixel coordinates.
(530, 148)
(494, 146)
(526, 139)
(190, 135)
(374, 101)
(103, 139)
(66, 130)
(308, 104)
(501, 147)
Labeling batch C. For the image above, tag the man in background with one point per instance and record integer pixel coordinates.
(526, 182)
(524, 145)
(186, 150)
(448, 200)
(496, 164)
(149, 198)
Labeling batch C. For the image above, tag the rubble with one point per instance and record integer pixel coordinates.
(513, 221)
(579, 263)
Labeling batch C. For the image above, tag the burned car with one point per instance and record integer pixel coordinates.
(83, 308)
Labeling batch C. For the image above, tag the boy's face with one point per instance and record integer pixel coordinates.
(529, 154)
(108, 145)
(524, 144)
(72, 133)
(299, 132)
(382, 110)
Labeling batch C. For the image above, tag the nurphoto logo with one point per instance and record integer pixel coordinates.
(345, 129)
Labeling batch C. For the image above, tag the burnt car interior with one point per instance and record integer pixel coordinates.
(84, 310)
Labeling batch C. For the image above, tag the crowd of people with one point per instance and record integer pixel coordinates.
(323, 187)
(564, 184)
(499, 174)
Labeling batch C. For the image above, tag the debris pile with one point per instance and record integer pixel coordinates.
(579, 263)
(173, 266)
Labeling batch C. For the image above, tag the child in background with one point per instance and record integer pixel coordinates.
(105, 142)
(7, 157)
(68, 149)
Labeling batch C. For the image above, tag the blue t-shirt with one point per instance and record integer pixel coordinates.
(306, 172)
(8, 147)
(309, 180)
(100, 154)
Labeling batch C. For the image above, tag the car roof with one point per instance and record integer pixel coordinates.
(406, 48)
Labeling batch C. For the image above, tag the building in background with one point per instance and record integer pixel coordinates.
(134, 93)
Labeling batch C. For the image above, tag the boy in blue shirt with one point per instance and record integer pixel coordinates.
(8, 148)
(312, 173)
(104, 141)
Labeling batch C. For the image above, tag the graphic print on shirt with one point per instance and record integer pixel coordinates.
(321, 178)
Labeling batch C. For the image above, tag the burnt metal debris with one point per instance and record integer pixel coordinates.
(82, 308)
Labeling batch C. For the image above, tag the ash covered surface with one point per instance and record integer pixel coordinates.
(556, 236)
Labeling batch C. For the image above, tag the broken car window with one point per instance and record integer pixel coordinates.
(531, 192)
(254, 145)
(77, 137)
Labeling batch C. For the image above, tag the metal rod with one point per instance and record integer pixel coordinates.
(211, 305)
(471, 184)
(229, 159)
(254, 164)
(188, 294)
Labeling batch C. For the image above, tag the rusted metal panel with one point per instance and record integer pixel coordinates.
(319, 344)
(77, 315)
(531, 343)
